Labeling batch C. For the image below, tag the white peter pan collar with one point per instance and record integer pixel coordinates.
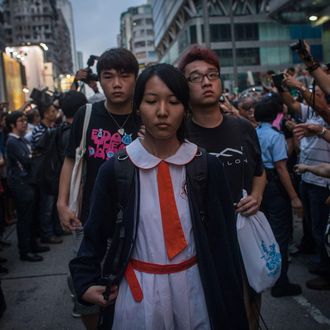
(145, 160)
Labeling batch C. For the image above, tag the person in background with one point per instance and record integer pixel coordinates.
(18, 167)
(279, 196)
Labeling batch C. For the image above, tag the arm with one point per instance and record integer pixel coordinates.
(290, 102)
(68, 219)
(312, 99)
(285, 179)
(250, 204)
(302, 130)
(320, 170)
(322, 79)
(86, 267)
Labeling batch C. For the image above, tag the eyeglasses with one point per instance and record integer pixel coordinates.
(198, 77)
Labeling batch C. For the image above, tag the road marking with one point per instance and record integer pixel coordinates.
(312, 310)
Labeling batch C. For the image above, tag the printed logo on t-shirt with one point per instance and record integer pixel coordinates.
(230, 157)
(104, 145)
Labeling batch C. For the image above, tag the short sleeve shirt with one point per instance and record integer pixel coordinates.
(273, 145)
(103, 140)
(314, 150)
(235, 143)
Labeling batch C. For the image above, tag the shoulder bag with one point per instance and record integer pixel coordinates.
(76, 184)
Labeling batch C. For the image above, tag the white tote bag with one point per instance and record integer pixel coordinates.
(260, 251)
(76, 183)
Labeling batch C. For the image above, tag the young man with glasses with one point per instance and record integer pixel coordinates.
(233, 140)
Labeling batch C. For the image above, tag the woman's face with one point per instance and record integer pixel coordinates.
(161, 112)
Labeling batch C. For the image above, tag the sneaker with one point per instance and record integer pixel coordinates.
(74, 312)
(319, 283)
(51, 240)
(287, 290)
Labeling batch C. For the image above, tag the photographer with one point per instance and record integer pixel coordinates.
(88, 77)
(321, 77)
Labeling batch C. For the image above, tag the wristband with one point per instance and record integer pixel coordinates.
(322, 132)
(315, 65)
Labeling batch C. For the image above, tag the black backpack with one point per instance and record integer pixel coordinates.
(124, 171)
(48, 159)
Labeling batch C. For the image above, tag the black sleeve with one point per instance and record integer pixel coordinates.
(86, 267)
(252, 142)
(76, 132)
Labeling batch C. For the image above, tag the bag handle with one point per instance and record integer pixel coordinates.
(86, 122)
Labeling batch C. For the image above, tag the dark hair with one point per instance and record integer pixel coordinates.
(119, 59)
(173, 79)
(12, 118)
(267, 110)
(198, 53)
(71, 101)
(30, 115)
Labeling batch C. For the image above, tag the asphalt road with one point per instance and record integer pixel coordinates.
(38, 298)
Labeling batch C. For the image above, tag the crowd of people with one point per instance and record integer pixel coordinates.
(159, 246)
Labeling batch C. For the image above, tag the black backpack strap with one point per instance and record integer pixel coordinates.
(197, 174)
(124, 173)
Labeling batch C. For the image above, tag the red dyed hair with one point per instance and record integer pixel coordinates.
(198, 53)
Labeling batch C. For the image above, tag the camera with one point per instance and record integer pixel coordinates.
(91, 76)
(298, 46)
(277, 80)
(44, 97)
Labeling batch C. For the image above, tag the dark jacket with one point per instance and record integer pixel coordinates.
(214, 233)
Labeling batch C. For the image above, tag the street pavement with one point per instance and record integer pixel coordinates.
(38, 297)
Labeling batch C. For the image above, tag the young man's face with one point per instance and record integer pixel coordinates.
(207, 91)
(118, 86)
(51, 114)
(20, 126)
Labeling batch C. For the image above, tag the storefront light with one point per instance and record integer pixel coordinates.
(313, 18)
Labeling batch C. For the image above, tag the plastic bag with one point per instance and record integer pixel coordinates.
(260, 251)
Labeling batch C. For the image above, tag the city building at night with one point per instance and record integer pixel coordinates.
(137, 34)
(34, 22)
(260, 41)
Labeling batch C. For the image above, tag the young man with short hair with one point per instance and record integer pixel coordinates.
(232, 139)
(112, 126)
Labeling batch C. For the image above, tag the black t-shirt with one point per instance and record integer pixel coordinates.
(236, 145)
(102, 141)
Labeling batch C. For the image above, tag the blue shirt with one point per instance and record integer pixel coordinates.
(273, 145)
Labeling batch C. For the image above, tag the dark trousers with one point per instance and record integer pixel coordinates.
(277, 208)
(316, 216)
(24, 196)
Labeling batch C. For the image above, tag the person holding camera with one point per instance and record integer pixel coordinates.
(322, 77)
(314, 189)
(88, 77)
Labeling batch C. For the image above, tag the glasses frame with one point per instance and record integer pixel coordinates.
(201, 76)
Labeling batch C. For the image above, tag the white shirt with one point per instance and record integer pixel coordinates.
(170, 301)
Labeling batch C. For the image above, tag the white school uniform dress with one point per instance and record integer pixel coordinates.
(170, 301)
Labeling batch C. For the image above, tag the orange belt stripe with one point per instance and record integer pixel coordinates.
(146, 267)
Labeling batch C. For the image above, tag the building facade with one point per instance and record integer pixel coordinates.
(66, 9)
(137, 34)
(260, 42)
(35, 22)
